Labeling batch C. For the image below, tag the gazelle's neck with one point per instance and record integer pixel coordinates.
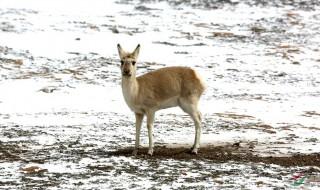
(129, 89)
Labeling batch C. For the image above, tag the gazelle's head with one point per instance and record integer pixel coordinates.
(128, 61)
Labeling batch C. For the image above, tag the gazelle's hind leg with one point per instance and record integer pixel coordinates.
(190, 106)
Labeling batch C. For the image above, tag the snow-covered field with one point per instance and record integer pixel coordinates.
(64, 123)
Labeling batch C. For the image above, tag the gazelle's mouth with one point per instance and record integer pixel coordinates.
(127, 75)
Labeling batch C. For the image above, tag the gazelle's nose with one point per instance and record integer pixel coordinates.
(126, 72)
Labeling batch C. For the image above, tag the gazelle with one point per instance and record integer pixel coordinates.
(160, 89)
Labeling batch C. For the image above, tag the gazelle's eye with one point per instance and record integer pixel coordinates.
(133, 62)
(121, 62)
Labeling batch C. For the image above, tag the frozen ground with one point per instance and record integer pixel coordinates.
(64, 124)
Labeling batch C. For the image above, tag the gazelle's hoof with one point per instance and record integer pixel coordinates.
(150, 152)
(194, 151)
(135, 152)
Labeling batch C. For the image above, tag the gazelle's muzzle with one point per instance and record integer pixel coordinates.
(126, 73)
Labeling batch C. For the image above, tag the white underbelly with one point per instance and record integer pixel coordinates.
(168, 103)
(171, 102)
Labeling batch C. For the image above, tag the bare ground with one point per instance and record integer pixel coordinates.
(221, 154)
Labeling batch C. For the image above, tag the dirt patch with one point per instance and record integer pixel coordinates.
(311, 113)
(221, 154)
(10, 152)
(234, 116)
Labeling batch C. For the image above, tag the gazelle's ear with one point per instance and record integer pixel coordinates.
(120, 51)
(136, 51)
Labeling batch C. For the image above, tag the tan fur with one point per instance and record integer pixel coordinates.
(160, 85)
(160, 89)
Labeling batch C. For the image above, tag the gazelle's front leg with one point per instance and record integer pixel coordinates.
(139, 119)
(150, 120)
